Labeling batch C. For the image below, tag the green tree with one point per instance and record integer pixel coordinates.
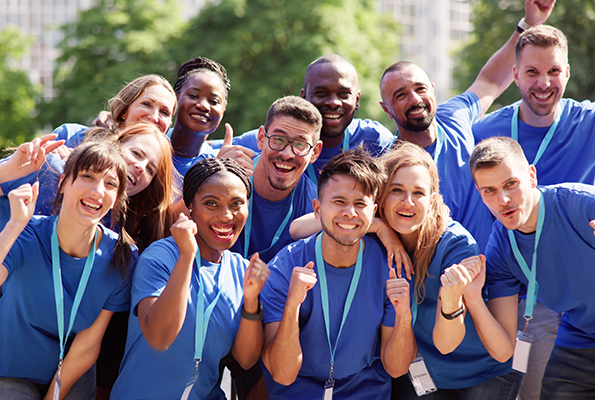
(108, 46)
(17, 93)
(494, 22)
(266, 45)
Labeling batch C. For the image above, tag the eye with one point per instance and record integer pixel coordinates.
(419, 193)
(113, 184)
(136, 153)
(165, 113)
(510, 184)
(400, 96)
(237, 204)
(214, 102)
(489, 190)
(151, 171)
(210, 203)
(146, 103)
(192, 96)
(397, 190)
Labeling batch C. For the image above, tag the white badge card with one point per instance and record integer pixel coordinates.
(522, 347)
(420, 377)
(57, 388)
(189, 386)
(328, 389)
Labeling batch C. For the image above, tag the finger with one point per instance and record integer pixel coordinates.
(310, 265)
(46, 138)
(391, 273)
(35, 192)
(406, 261)
(49, 147)
(228, 140)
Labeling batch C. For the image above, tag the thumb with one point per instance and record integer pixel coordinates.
(228, 140)
(482, 258)
(253, 259)
(392, 273)
(35, 192)
(310, 265)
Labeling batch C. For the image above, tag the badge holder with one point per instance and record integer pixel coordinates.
(329, 386)
(420, 377)
(522, 347)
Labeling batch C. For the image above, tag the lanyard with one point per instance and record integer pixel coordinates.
(439, 142)
(344, 148)
(248, 225)
(59, 288)
(324, 293)
(514, 128)
(533, 286)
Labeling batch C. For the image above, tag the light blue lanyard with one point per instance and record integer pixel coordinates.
(59, 288)
(439, 142)
(324, 293)
(514, 128)
(248, 225)
(530, 274)
(344, 148)
(414, 307)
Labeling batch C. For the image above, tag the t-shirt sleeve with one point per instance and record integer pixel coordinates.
(500, 281)
(120, 300)
(20, 250)
(152, 271)
(460, 113)
(274, 293)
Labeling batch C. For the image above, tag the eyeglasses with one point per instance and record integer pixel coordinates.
(279, 143)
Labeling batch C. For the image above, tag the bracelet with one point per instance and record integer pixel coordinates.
(257, 316)
(455, 314)
(522, 26)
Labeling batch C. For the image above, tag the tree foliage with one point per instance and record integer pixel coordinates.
(494, 22)
(17, 93)
(266, 45)
(108, 46)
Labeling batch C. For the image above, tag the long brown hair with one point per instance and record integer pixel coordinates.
(407, 154)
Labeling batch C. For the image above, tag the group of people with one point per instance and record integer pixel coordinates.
(316, 256)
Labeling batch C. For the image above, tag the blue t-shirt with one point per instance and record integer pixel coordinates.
(29, 341)
(267, 217)
(358, 369)
(469, 364)
(565, 255)
(182, 164)
(375, 137)
(146, 373)
(570, 154)
(456, 184)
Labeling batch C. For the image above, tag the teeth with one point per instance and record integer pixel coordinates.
(406, 214)
(347, 226)
(417, 111)
(225, 231)
(542, 96)
(132, 179)
(202, 118)
(332, 116)
(91, 206)
(284, 166)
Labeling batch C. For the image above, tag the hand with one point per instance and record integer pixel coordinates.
(103, 120)
(241, 154)
(538, 11)
(183, 232)
(22, 203)
(302, 280)
(454, 281)
(255, 277)
(397, 290)
(30, 156)
(63, 152)
(394, 248)
(592, 224)
(473, 291)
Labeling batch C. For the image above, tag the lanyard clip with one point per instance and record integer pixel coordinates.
(527, 319)
(196, 366)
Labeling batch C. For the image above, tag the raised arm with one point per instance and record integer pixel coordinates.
(161, 318)
(496, 326)
(247, 346)
(398, 347)
(22, 206)
(82, 354)
(282, 354)
(496, 74)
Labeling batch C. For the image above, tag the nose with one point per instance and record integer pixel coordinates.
(544, 81)
(287, 152)
(408, 200)
(503, 197)
(226, 214)
(349, 210)
(141, 166)
(415, 97)
(98, 190)
(154, 116)
(203, 105)
(333, 100)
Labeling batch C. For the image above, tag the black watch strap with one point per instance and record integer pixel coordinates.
(257, 316)
(454, 314)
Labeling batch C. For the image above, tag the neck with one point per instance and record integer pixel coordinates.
(263, 187)
(186, 143)
(409, 240)
(538, 121)
(421, 138)
(531, 225)
(76, 240)
(208, 253)
(338, 255)
(328, 142)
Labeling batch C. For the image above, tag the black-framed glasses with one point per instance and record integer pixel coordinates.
(279, 143)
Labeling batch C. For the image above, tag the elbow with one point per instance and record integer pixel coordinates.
(159, 345)
(502, 357)
(284, 379)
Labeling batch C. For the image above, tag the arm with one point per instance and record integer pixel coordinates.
(304, 226)
(22, 205)
(161, 318)
(448, 334)
(393, 246)
(282, 354)
(241, 154)
(247, 346)
(496, 326)
(496, 75)
(398, 347)
(82, 354)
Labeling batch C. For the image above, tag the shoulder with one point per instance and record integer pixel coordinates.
(296, 253)
(455, 244)
(463, 101)
(306, 188)
(236, 260)
(67, 131)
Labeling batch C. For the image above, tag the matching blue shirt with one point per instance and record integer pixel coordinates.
(358, 370)
(565, 255)
(146, 373)
(29, 341)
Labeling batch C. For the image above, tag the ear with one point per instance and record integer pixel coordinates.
(316, 151)
(60, 183)
(385, 109)
(533, 176)
(375, 208)
(303, 93)
(359, 93)
(515, 75)
(260, 138)
(567, 71)
(433, 199)
(316, 207)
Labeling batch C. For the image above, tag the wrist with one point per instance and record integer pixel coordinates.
(523, 25)
(449, 307)
(453, 315)
(252, 316)
(251, 305)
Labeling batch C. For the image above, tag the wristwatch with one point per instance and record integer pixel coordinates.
(257, 316)
(522, 26)
(454, 314)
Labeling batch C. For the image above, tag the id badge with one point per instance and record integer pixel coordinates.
(420, 377)
(522, 347)
(57, 388)
(189, 386)
(328, 389)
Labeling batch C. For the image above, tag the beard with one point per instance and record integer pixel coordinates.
(418, 125)
(336, 238)
(541, 109)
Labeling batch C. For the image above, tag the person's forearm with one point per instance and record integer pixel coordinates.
(162, 321)
(304, 226)
(400, 349)
(282, 355)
